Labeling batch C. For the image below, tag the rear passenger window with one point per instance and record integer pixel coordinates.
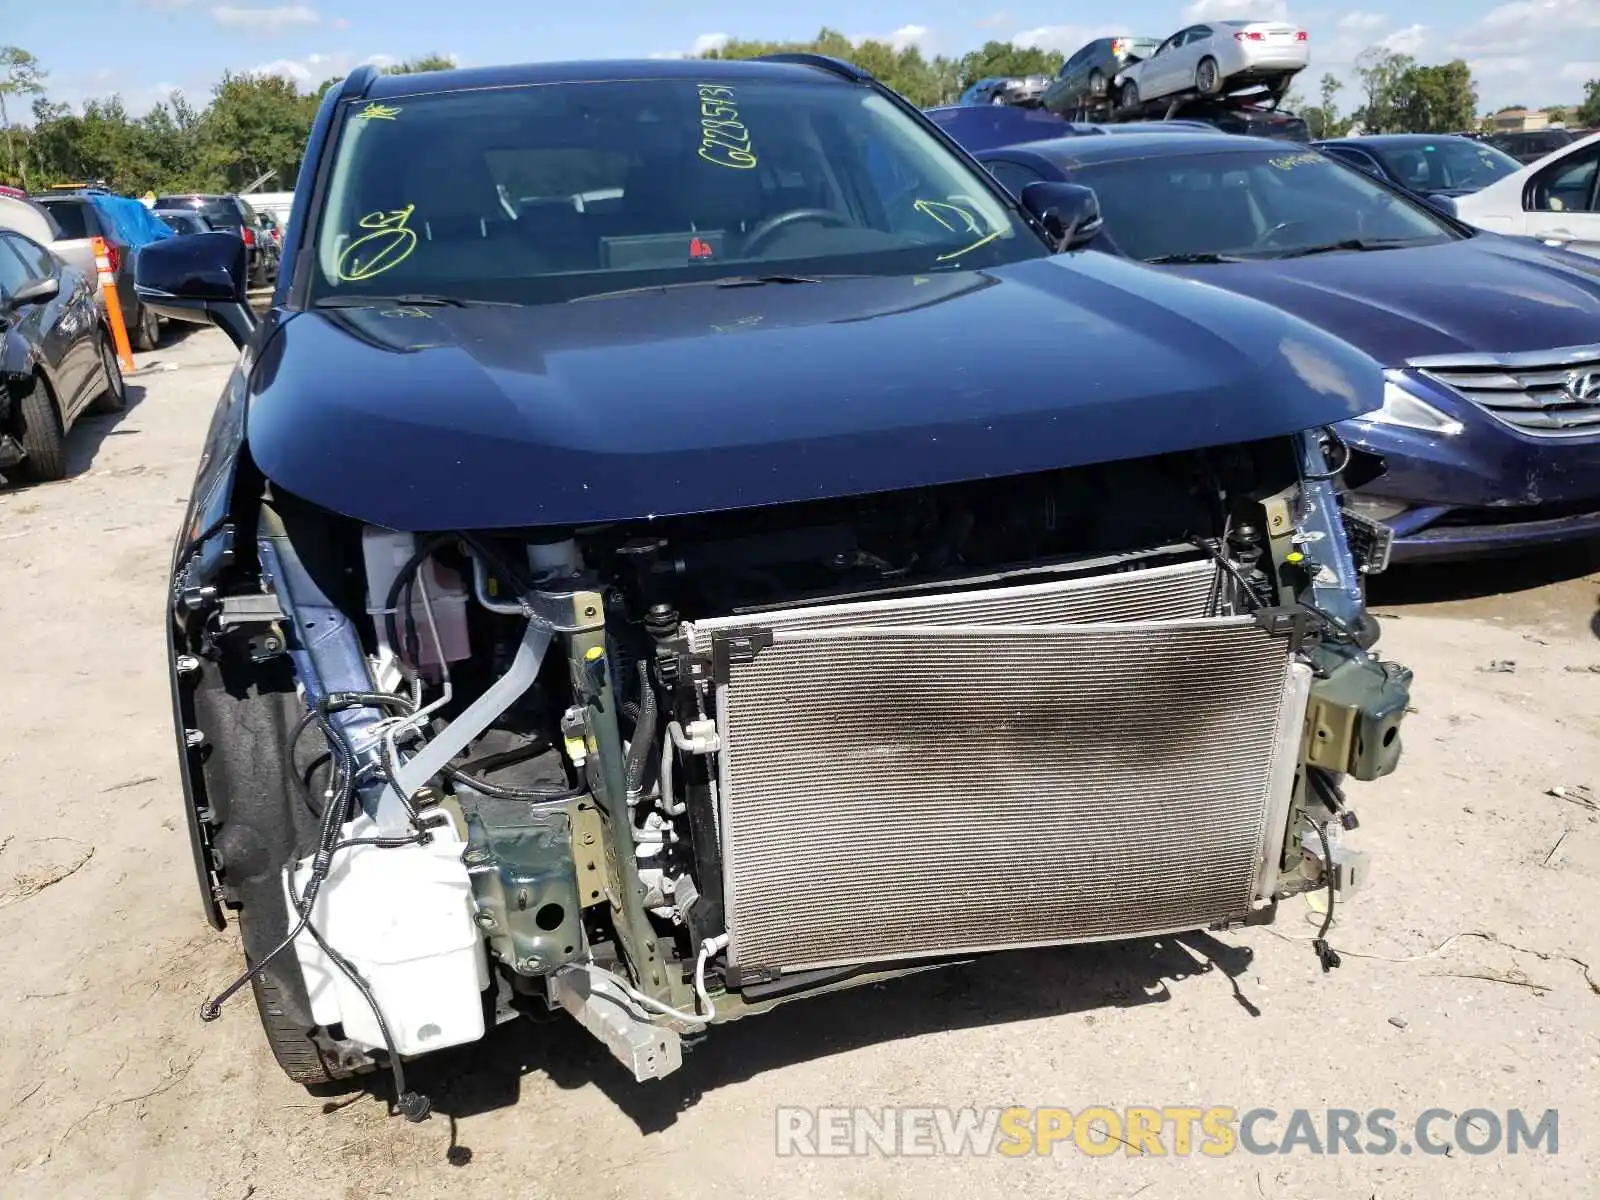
(74, 218)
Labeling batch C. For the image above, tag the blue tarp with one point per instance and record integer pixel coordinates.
(134, 223)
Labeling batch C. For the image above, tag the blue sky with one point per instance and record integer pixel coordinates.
(1534, 52)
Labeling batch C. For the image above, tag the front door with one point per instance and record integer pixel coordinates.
(1563, 205)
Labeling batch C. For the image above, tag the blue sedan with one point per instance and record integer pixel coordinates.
(1490, 429)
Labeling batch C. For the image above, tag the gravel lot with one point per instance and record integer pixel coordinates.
(110, 1085)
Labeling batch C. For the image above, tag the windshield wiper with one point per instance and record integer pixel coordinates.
(411, 300)
(1200, 257)
(1349, 244)
(722, 281)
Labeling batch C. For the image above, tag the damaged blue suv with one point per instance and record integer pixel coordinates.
(684, 539)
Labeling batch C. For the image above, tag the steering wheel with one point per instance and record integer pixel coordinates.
(1270, 236)
(765, 229)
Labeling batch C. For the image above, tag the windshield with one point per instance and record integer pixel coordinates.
(1249, 204)
(543, 193)
(217, 212)
(1446, 165)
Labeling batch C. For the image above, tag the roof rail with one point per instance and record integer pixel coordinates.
(358, 82)
(823, 62)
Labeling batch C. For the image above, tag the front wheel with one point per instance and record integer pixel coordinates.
(1097, 85)
(43, 439)
(1207, 77)
(1130, 94)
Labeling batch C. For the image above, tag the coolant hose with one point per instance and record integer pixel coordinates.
(644, 735)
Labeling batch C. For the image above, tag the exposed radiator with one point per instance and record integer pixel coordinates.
(967, 772)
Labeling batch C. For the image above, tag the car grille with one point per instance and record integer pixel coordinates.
(1548, 393)
(1066, 762)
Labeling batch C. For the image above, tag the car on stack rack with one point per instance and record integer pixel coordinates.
(1216, 58)
(1490, 426)
(754, 584)
(1023, 91)
(1221, 116)
(1083, 87)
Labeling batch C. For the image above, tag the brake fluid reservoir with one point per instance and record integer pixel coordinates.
(403, 918)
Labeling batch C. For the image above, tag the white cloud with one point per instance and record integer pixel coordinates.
(1222, 10)
(707, 42)
(314, 68)
(1580, 72)
(1406, 41)
(1362, 22)
(264, 20)
(1065, 38)
(909, 35)
(1547, 14)
(994, 20)
(1500, 64)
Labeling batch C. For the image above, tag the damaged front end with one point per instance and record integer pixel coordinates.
(664, 774)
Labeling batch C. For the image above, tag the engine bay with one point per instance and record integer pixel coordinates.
(512, 766)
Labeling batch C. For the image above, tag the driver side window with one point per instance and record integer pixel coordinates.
(1569, 185)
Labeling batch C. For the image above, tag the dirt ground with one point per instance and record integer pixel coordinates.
(111, 1086)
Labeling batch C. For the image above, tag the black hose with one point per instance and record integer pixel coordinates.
(501, 791)
(644, 733)
(1246, 593)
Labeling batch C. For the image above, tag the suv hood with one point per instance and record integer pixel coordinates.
(691, 400)
(1486, 293)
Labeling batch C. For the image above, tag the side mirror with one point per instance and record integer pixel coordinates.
(1445, 204)
(1069, 212)
(35, 291)
(199, 278)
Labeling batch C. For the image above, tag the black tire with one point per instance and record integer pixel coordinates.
(1097, 84)
(146, 331)
(1129, 95)
(114, 397)
(43, 439)
(1208, 83)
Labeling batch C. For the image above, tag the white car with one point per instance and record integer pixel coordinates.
(1217, 57)
(1556, 199)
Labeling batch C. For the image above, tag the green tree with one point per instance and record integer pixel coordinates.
(256, 124)
(1007, 58)
(1588, 113)
(1440, 99)
(1322, 118)
(427, 62)
(1381, 72)
(20, 75)
(905, 70)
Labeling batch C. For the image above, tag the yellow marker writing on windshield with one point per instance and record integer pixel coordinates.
(379, 112)
(957, 220)
(389, 244)
(952, 216)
